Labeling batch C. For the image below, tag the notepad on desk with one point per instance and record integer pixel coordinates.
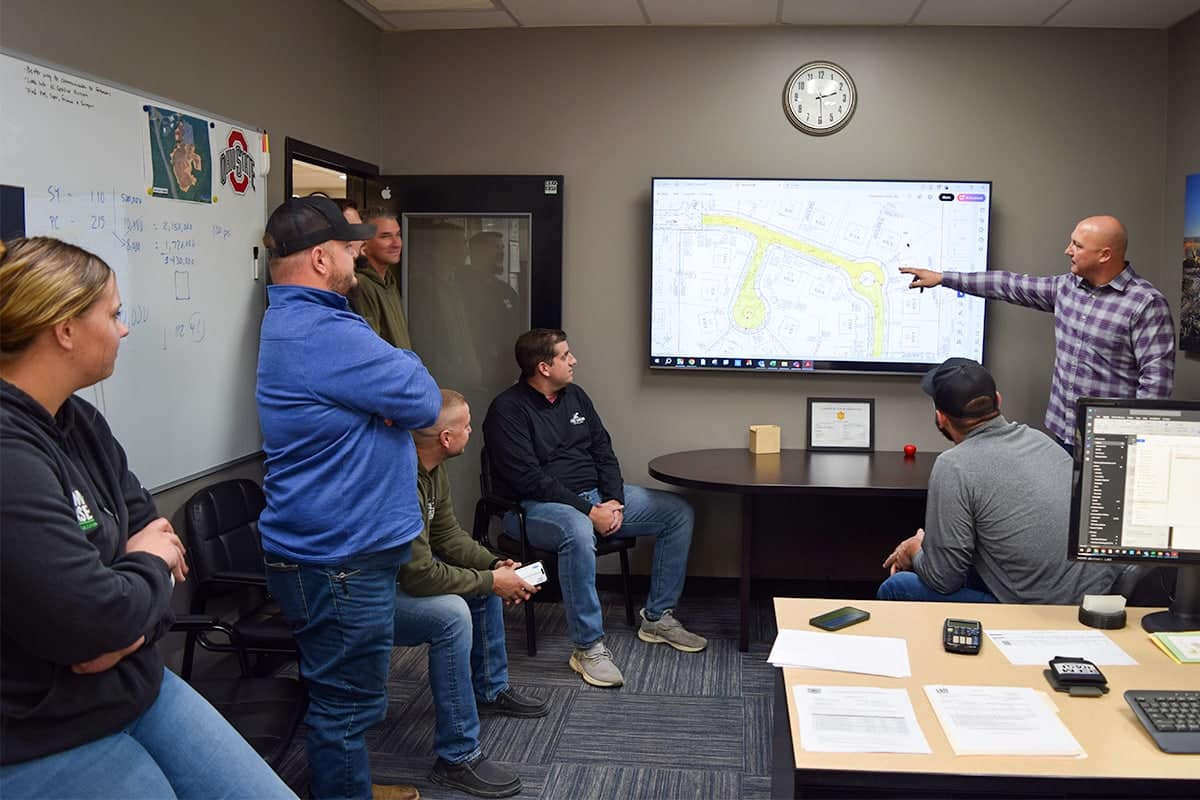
(869, 655)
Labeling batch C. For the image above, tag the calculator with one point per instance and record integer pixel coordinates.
(962, 636)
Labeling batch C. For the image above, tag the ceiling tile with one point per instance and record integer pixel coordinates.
(848, 12)
(1124, 13)
(1015, 13)
(711, 12)
(448, 20)
(569, 13)
(383, 6)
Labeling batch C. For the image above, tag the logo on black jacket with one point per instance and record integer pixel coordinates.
(83, 514)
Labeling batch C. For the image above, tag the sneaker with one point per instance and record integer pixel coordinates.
(481, 777)
(399, 791)
(595, 665)
(669, 630)
(511, 703)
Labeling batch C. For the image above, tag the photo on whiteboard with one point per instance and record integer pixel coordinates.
(1189, 312)
(180, 155)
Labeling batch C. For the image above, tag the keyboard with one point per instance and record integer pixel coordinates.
(1172, 718)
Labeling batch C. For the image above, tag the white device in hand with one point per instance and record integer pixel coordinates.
(534, 574)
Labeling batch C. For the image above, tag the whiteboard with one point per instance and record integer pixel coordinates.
(162, 193)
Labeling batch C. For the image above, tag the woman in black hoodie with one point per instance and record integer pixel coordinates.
(87, 567)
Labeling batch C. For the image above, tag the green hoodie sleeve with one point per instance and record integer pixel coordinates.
(462, 565)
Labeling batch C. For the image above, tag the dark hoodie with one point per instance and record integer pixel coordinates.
(68, 591)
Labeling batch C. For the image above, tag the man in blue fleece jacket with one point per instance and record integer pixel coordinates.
(336, 404)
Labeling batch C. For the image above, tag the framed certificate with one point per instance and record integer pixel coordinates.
(845, 424)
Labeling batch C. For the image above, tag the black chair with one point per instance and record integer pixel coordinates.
(491, 506)
(225, 557)
(1147, 585)
(265, 711)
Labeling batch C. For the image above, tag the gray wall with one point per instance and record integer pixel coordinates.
(1183, 159)
(611, 108)
(290, 66)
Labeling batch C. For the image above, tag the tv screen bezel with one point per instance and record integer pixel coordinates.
(790, 365)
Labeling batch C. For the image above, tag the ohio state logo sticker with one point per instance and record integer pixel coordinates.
(237, 165)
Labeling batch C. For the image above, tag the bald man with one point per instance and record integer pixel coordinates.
(1113, 334)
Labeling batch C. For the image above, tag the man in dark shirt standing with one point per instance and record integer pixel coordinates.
(550, 451)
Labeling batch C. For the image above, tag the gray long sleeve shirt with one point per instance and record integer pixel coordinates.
(1000, 501)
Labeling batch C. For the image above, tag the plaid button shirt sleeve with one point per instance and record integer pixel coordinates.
(1031, 291)
(1154, 347)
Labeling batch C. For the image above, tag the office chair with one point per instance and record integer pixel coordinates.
(1148, 585)
(225, 557)
(491, 506)
(265, 711)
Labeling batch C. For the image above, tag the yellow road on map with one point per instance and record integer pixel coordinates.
(749, 310)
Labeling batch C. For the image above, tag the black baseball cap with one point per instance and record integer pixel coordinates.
(304, 222)
(961, 388)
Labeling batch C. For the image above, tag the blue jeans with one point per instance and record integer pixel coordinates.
(467, 662)
(180, 747)
(648, 512)
(909, 586)
(341, 617)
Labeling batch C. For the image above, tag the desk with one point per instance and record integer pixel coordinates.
(792, 472)
(1121, 760)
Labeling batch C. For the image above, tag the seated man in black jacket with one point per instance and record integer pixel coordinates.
(550, 451)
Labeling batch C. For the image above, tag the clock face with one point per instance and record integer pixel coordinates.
(819, 98)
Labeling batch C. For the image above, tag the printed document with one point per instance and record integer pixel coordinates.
(853, 719)
(870, 655)
(1001, 721)
(1026, 648)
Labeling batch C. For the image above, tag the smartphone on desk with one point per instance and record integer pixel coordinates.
(839, 618)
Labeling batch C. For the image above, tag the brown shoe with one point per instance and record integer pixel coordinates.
(398, 791)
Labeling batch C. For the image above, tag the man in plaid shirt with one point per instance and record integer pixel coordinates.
(1113, 334)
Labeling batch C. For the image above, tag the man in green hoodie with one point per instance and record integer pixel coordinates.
(451, 594)
(377, 298)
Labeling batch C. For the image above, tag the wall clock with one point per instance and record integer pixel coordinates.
(819, 98)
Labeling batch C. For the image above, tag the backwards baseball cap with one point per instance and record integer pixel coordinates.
(304, 222)
(961, 388)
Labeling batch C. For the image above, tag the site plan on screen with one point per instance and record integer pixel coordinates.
(808, 271)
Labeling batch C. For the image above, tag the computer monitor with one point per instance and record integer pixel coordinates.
(1136, 494)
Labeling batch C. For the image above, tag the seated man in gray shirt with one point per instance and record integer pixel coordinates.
(998, 509)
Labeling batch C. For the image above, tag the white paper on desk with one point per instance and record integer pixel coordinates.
(1026, 648)
(1001, 721)
(857, 719)
(870, 655)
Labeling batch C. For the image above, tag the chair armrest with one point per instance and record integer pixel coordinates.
(203, 623)
(240, 578)
(194, 623)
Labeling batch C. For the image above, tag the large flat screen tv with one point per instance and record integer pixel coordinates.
(804, 275)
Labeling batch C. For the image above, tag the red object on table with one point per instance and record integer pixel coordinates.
(910, 450)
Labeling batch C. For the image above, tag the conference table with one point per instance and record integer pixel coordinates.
(1121, 758)
(790, 472)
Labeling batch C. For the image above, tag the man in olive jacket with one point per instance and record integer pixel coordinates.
(451, 594)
